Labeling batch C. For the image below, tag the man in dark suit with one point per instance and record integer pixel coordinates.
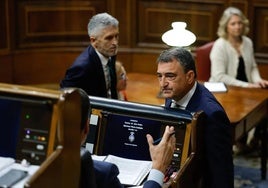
(94, 69)
(103, 174)
(177, 78)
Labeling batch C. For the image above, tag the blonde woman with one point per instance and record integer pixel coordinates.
(233, 62)
(232, 55)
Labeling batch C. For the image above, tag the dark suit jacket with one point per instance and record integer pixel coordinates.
(218, 172)
(87, 174)
(100, 174)
(106, 174)
(87, 73)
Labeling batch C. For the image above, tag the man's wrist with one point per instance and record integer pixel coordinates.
(159, 166)
(157, 176)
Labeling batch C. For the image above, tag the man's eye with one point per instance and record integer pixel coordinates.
(171, 76)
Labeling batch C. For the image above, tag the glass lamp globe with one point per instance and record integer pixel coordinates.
(178, 36)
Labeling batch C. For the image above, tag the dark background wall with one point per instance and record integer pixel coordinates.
(39, 39)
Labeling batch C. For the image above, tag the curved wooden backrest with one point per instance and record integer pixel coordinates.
(61, 164)
(62, 167)
(190, 174)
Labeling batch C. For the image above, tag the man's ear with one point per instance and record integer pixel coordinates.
(92, 39)
(190, 76)
(86, 130)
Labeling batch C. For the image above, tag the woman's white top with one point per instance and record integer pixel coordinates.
(225, 60)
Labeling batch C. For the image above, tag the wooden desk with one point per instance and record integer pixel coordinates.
(247, 108)
(244, 107)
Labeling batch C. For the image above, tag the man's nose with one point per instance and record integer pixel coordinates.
(163, 81)
(115, 40)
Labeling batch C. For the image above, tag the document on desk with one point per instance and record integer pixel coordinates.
(8, 166)
(5, 162)
(215, 86)
(131, 172)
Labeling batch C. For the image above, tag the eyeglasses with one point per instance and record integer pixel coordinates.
(168, 76)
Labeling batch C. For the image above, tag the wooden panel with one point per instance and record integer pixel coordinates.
(6, 71)
(242, 5)
(261, 28)
(263, 67)
(4, 29)
(43, 67)
(144, 63)
(55, 24)
(136, 61)
(125, 17)
(156, 18)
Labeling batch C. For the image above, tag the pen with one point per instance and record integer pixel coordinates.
(159, 139)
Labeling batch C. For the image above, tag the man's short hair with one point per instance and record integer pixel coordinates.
(99, 22)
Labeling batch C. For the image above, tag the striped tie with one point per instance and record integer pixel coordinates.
(111, 67)
(176, 105)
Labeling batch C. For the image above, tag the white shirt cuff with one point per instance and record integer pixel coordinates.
(157, 176)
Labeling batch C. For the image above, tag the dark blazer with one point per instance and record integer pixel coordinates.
(97, 174)
(100, 174)
(106, 176)
(87, 174)
(219, 169)
(87, 73)
(151, 184)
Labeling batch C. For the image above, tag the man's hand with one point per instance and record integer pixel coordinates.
(162, 153)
